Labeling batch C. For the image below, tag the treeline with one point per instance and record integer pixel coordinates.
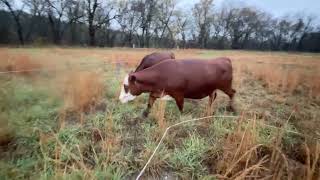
(152, 23)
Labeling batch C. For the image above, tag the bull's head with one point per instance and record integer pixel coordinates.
(125, 95)
(130, 89)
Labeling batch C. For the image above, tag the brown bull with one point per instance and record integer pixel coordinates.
(188, 78)
(147, 61)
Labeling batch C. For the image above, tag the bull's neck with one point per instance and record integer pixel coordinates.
(148, 76)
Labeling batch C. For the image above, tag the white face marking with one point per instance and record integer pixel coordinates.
(126, 97)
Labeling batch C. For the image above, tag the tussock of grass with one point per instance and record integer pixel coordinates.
(20, 62)
(187, 160)
(81, 90)
(159, 113)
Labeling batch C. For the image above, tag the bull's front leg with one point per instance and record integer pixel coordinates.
(151, 101)
(179, 98)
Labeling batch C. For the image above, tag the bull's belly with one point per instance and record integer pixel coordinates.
(199, 95)
(196, 96)
(199, 92)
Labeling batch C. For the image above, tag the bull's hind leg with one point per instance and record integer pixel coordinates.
(230, 92)
(212, 97)
(151, 101)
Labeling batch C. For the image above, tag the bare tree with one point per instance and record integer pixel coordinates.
(155, 23)
(57, 13)
(98, 16)
(181, 22)
(299, 28)
(241, 25)
(262, 32)
(75, 13)
(16, 14)
(36, 7)
(165, 14)
(203, 12)
(129, 20)
(92, 6)
(221, 26)
(250, 18)
(36, 10)
(146, 9)
(280, 33)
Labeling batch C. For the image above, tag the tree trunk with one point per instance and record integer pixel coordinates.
(92, 28)
(16, 18)
(142, 38)
(300, 43)
(92, 34)
(55, 28)
(235, 41)
(184, 42)
(19, 30)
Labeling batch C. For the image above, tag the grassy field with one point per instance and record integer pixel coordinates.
(64, 120)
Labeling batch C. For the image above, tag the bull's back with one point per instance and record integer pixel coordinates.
(153, 59)
(198, 78)
(205, 71)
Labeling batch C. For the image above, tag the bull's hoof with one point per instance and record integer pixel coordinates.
(231, 109)
(145, 114)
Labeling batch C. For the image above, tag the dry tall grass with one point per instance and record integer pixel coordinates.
(279, 79)
(6, 132)
(312, 170)
(313, 83)
(18, 62)
(242, 157)
(159, 113)
(81, 91)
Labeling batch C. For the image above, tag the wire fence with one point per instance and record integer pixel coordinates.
(67, 67)
(113, 70)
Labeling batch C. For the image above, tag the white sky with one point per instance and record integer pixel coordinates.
(275, 7)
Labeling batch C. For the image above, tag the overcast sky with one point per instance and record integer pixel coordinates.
(276, 7)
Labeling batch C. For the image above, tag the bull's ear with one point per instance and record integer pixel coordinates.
(132, 78)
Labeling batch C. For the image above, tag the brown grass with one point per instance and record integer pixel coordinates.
(242, 157)
(6, 132)
(82, 90)
(280, 72)
(313, 83)
(312, 162)
(240, 154)
(278, 79)
(18, 62)
(127, 56)
(159, 112)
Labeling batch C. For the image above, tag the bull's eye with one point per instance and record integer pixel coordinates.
(126, 88)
